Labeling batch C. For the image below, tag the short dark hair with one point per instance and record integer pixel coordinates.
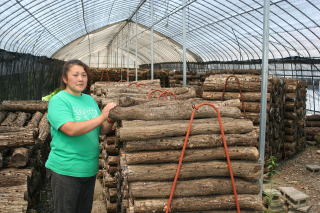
(66, 69)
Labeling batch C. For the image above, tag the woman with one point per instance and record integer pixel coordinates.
(76, 122)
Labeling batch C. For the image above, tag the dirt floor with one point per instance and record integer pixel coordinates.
(293, 173)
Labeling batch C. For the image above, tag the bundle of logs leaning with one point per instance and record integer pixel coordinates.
(312, 128)
(285, 108)
(295, 112)
(151, 137)
(23, 128)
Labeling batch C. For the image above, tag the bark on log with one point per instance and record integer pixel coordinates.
(8, 121)
(219, 202)
(44, 128)
(313, 118)
(195, 141)
(312, 130)
(109, 181)
(247, 170)
(246, 96)
(34, 122)
(253, 107)
(231, 126)
(111, 149)
(170, 112)
(112, 195)
(191, 155)
(24, 105)
(21, 119)
(113, 160)
(230, 72)
(13, 137)
(111, 207)
(313, 123)
(19, 157)
(2, 116)
(186, 188)
(1, 160)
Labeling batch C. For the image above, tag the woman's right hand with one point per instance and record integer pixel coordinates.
(105, 111)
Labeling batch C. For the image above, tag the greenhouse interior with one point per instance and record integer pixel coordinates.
(208, 106)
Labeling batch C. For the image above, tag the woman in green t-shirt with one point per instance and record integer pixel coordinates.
(76, 122)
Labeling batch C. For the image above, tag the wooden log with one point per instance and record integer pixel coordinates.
(312, 130)
(8, 121)
(12, 137)
(13, 185)
(111, 207)
(113, 160)
(313, 117)
(112, 195)
(111, 149)
(195, 141)
(253, 107)
(44, 128)
(109, 181)
(247, 170)
(19, 157)
(246, 96)
(191, 155)
(219, 202)
(24, 105)
(313, 123)
(35, 120)
(170, 112)
(21, 119)
(3, 115)
(234, 126)
(186, 188)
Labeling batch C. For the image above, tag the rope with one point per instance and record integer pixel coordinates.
(239, 88)
(166, 92)
(195, 108)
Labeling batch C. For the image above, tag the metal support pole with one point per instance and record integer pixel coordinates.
(264, 88)
(136, 61)
(128, 41)
(117, 58)
(184, 30)
(152, 53)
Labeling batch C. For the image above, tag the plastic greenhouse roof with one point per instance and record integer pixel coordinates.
(104, 32)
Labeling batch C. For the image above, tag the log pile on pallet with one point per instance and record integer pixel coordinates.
(285, 105)
(24, 129)
(312, 129)
(151, 137)
(193, 78)
(123, 74)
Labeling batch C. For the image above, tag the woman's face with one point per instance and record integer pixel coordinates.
(77, 79)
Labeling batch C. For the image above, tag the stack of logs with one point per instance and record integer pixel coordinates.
(193, 78)
(23, 129)
(285, 105)
(295, 112)
(125, 94)
(312, 128)
(124, 74)
(152, 136)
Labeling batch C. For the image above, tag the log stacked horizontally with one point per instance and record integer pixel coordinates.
(151, 147)
(192, 78)
(312, 128)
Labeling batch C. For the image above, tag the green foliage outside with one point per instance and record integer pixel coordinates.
(48, 97)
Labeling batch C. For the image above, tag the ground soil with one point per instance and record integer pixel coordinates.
(293, 172)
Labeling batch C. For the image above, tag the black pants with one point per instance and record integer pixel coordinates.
(71, 194)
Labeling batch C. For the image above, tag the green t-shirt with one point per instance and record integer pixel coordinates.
(76, 156)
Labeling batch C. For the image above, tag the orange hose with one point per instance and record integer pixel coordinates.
(183, 151)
